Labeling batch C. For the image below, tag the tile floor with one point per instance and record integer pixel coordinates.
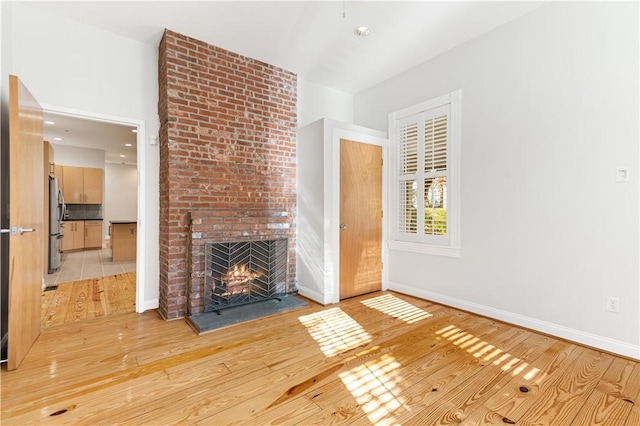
(82, 265)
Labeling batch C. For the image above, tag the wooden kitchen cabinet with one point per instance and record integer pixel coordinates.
(92, 234)
(73, 185)
(82, 185)
(58, 175)
(49, 164)
(123, 240)
(73, 231)
(92, 185)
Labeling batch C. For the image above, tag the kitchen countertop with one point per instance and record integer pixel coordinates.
(121, 222)
(84, 218)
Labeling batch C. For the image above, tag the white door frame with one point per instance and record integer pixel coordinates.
(360, 134)
(142, 195)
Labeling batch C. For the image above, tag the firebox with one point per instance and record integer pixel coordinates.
(244, 272)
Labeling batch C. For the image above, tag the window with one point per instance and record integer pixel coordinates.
(426, 139)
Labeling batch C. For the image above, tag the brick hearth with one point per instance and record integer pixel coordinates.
(227, 158)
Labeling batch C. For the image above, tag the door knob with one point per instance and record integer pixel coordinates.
(343, 226)
(23, 230)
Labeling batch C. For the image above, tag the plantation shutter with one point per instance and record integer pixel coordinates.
(423, 140)
(408, 167)
(435, 171)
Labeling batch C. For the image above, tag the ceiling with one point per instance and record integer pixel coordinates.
(315, 40)
(311, 39)
(86, 133)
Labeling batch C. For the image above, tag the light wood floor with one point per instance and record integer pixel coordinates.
(91, 298)
(384, 358)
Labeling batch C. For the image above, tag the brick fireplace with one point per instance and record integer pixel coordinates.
(227, 161)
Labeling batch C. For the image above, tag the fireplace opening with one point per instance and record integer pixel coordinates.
(238, 273)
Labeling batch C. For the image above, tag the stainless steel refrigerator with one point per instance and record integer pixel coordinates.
(56, 214)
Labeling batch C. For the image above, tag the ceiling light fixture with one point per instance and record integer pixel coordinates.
(49, 122)
(362, 31)
(122, 155)
(57, 139)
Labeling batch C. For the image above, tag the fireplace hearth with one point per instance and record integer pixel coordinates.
(243, 272)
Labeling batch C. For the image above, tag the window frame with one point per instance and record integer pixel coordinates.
(448, 245)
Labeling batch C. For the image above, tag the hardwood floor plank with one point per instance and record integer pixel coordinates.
(439, 397)
(293, 412)
(382, 358)
(613, 399)
(57, 310)
(98, 303)
(47, 297)
(403, 369)
(562, 397)
(96, 297)
(78, 301)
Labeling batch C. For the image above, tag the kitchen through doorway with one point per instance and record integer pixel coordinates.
(86, 142)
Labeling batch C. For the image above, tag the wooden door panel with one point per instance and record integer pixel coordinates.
(361, 216)
(26, 189)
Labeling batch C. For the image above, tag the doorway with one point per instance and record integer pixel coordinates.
(124, 196)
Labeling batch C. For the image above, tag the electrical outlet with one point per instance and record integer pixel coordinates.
(613, 304)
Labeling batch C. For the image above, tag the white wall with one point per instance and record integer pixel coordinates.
(120, 192)
(549, 110)
(71, 65)
(316, 101)
(311, 256)
(79, 157)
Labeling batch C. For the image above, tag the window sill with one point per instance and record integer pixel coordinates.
(425, 248)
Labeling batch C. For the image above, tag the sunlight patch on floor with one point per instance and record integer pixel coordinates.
(334, 331)
(397, 308)
(372, 385)
(487, 352)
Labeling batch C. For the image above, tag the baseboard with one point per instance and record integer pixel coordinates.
(148, 305)
(311, 294)
(578, 336)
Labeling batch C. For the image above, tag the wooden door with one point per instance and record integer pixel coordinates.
(360, 218)
(73, 186)
(92, 185)
(28, 235)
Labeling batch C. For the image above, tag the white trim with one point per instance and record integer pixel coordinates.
(578, 336)
(141, 304)
(311, 294)
(426, 105)
(425, 248)
(148, 305)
